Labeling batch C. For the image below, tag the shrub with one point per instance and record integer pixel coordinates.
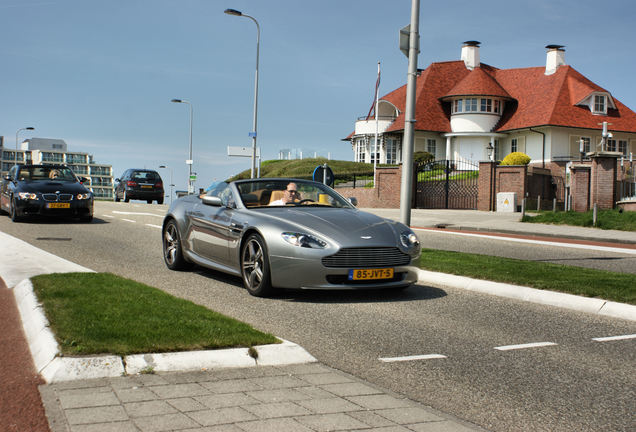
(516, 158)
(423, 157)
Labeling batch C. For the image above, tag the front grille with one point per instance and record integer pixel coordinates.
(367, 257)
(57, 197)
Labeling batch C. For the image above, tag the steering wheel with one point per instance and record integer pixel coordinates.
(306, 200)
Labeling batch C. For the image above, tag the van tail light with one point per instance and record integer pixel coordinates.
(159, 185)
(131, 183)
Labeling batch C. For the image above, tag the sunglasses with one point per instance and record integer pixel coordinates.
(292, 191)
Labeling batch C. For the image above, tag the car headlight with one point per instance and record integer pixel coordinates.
(409, 239)
(84, 196)
(304, 240)
(27, 195)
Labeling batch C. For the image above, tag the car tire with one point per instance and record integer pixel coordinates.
(126, 199)
(87, 219)
(160, 201)
(116, 197)
(15, 217)
(172, 247)
(255, 266)
(149, 201)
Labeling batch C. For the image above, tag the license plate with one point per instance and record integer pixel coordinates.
(370, 274)
(146, 186)
(58, 205)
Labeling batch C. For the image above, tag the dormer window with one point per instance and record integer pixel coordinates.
(600, 104)
(471, 105)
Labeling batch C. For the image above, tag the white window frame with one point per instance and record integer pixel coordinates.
(457, 105)
(471, 105)
(623, 145)
(599, 104)
(514, 145)
(431, 143)
(610, 145)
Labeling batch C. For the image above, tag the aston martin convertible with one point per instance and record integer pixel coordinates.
(288, 233)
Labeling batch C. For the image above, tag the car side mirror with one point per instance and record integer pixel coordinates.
(211, 201)
(82, 179)
(353, 201)
(7, 178)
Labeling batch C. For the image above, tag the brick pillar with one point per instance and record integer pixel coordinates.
(486, 185)
(580, 187)
(603, 179)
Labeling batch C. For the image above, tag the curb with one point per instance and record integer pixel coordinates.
(551, 298)
(53, 368)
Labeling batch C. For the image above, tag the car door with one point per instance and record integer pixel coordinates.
(211, 227)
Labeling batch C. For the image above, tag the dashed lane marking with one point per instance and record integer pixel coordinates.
(129, 220)
(154, 226)
(411, 358)
(137, 213)
(614, 338)
(524, 346)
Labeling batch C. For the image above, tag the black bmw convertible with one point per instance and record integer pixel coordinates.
(48, 190)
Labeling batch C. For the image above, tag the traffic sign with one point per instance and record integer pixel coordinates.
(324, 174)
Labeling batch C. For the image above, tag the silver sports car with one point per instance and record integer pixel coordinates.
(288, 233)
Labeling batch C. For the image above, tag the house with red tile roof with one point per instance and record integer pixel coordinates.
(465, 107)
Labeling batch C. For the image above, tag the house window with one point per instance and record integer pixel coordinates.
(431, 146)
(586, 144)
(486, 105)
(360, 150)
(599, 104)
(622, 147)
(375, 151)
(391, 151)
(457, 106)
(471, 104)
(497, 106)
(611, 145)
(513, 145)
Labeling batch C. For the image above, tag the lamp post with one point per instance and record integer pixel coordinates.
(489, 150)
(171, 184)
(15, 162)
(190, 160)
(258, 41)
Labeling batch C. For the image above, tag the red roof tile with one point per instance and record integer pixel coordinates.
(477, 83)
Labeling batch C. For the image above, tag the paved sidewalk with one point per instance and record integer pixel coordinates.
(310, 397)
(473, 220)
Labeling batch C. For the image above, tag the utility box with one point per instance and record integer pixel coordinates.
(507, 202)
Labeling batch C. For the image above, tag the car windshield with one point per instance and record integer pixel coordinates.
(46, 173)
(289, 192)
(145, 176)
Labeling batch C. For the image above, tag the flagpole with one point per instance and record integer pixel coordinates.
(375, 150)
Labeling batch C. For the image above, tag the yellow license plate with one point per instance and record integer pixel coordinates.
(370, 274)
(58, 205)
(146, 186)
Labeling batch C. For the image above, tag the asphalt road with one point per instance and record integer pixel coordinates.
(568, 382)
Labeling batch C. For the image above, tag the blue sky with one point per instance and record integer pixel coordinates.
(101, 74)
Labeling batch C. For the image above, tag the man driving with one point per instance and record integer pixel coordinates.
(290, 195)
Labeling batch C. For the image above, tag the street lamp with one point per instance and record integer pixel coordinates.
(190, 160)
(15, 162)
(489, 150)
(171, 184)
(234, 12)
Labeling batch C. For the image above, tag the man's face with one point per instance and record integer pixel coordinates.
(290, 193)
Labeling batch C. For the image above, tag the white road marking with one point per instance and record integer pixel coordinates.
(540, 242)
(524, 346)
(410, 358)
(614, 338)
(108, 216)
(154, 226)
(137, 213)
(129, 220)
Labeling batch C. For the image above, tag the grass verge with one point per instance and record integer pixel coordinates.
(606, 285)
(606, 219)
(96, 313)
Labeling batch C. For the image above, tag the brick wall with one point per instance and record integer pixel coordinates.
(485, 199)
(385, 194)
(580, 187)
(603, 180)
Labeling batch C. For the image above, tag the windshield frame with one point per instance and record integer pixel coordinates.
(256, 194)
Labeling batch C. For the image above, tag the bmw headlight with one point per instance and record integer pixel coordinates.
(304, 240)
(27, 195)
(409, 239)
(84, 196)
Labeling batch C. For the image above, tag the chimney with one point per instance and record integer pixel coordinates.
(554, 59)
(470, 54)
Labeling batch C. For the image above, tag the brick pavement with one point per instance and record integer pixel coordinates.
(309, 397)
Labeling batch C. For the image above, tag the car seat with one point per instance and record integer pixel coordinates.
(276, 195)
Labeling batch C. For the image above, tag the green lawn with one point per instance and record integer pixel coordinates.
(94, 313)
(607, 285)
(606, 219)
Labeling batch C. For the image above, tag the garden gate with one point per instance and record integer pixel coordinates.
(446, 184)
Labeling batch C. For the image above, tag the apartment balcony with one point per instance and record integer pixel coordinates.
(367, 127)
